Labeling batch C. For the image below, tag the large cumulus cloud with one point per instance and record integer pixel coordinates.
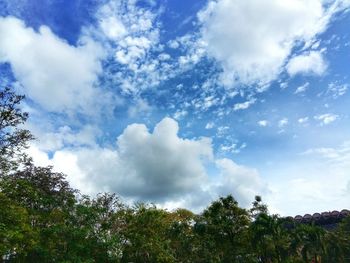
(156, 166)
(253, 39)
(57, 76)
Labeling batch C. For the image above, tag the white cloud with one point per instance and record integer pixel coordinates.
(193, 48)
(337, 90)
(302, 88)
(327, 153)
(164, 56)
(326, 118)
(161, 163)
(173, 44)
(311, 63)
(238, 180)
(263, 123)
(180, 114)
(54, 74)
(252, 39)
(159, 167)
(303, 120)
(140, 107)
(130, 34)
(209, 125)
(222, 131)
(66, 161)
(111, 26)
(244, 105)
(339, 156)
(147, 166)
(232, 148)
(284, 85)
(283, 122)
(63, 136)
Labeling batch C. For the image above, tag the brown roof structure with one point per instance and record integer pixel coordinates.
(327, 220)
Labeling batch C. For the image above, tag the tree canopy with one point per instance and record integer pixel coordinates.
(13, 138)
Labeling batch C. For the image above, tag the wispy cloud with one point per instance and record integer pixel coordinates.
(326, 118)
(263, 123)
(244, 105)
(302, 88)
(303, 120)
(283, 122)
(337, 90)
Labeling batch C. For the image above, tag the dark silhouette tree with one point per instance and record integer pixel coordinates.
(13, 139)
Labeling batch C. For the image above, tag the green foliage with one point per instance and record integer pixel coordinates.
(146, 235)
(258, 207)
(337, 243)
(47, 201)
(183, 240)
(97, 237)
(271, 237)
(16, 234)
(12, 138)
(223, 230)
(310, 241)
(43, 220)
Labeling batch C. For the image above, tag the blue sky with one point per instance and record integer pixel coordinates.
(179, 102)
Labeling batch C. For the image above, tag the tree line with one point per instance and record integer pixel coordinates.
(43, 219)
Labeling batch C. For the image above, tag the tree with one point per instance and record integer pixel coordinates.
(16, 233)
(309, 241)
(258, 207)
(270, 238)
(45, 200)
(12, 138)
(95, 230)
(184, 242)
(146, 235)
(223, 228)
(338, 243)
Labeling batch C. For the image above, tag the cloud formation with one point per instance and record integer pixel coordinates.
(252, 40)
(326, 118)
(161, 164)
(244, 105)
(57, 76)
(263, 123)
(302, 88)
(132, 29)
(130, 33)
(307, 64)
(159, 167)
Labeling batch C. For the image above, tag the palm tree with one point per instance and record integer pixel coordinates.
(338, 243)
(310, 242)
(270, 238)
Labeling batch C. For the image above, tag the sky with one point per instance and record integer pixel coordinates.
(177, 103)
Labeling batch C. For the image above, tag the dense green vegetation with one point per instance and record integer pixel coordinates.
(42, 219)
